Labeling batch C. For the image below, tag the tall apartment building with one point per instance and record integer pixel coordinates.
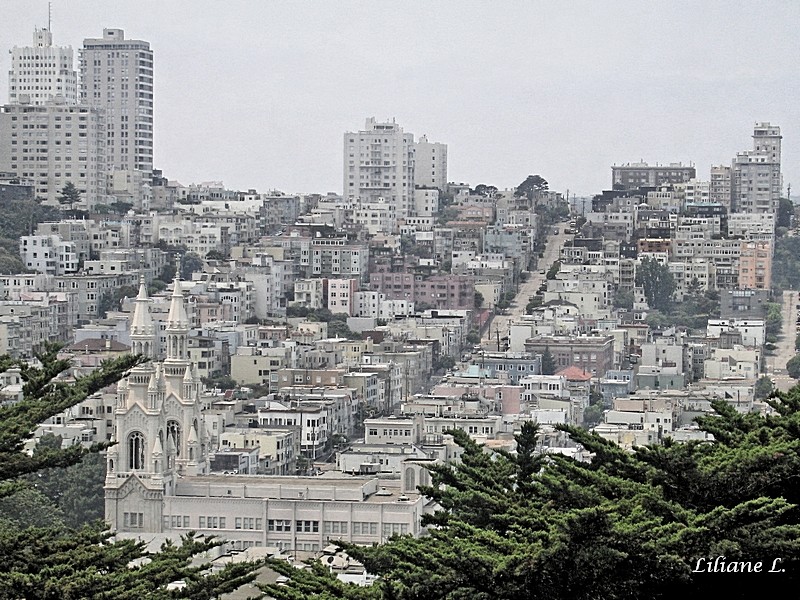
(53, 144)
(430, 164)
(755, 265)
(117, 75)
(719, 190)
(756, 180)
(42, 71)
(379, 164)
(632, 176)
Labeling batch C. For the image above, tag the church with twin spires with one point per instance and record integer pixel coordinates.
(158, 479)
(158, 425)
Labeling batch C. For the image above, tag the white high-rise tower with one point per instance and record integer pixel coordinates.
(756, 180)
(117, 75)
(379, 165)
(42, 71)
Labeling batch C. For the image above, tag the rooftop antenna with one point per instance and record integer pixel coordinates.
(49, 16)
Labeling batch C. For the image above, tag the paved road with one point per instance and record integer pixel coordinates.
(776, 365)
(526, 290)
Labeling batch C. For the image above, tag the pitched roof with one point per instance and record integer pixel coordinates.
(97, 345)
(573, 373)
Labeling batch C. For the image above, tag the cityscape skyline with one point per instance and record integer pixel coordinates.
(283, 130)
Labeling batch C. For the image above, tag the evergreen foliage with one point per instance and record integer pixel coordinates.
(533, 185)
(658, 283)
(548, 362)
(786, 263)
(793, 366)
(627, 525)
(70, 195)
(43, 558)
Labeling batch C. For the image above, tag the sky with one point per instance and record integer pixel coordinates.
(258, 93)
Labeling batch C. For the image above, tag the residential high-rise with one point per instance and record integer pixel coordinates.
(379, 164)
(720, 186)
(632, 176)
(54, 144)
(42, 71)
(430, 164)
(756, 180)
(117, 76)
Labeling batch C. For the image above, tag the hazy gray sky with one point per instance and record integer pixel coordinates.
(259, 93)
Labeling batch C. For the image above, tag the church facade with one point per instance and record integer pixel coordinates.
(158, 479)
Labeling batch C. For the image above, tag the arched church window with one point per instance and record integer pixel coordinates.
(174, 433)
(136, 451)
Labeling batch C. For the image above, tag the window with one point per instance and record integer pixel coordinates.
(279, 525)
(307, 526)
(135, 451)
(365, 528)
(390, 529)
(335, 527)
(135, 520)
(174, 434)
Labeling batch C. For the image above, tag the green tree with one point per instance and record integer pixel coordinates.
(774, 322)
(627, 524)
(120, 207)
(534, 302)
(658, 283)
(785, 213)
(764, 387)
(484, 190)
(215, 255)
(533, 185)
(548, 362)
(29, 508)
(553, 270)
(190, 263)
(473, 337)
(623, 299)
(10, 263)
(70, 196)
(338, 328)
(76, 491)
(167, 273)
(793, 366)
(41, 558)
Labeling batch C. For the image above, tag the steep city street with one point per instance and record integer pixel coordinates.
(500, 322)
(776, 365)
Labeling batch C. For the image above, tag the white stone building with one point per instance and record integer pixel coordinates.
(756, 180)
(379, 164)
(41, 72)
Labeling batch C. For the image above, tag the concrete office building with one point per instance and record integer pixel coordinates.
(41, 72)
(53, 144)
(117, 75)
(379, 164)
